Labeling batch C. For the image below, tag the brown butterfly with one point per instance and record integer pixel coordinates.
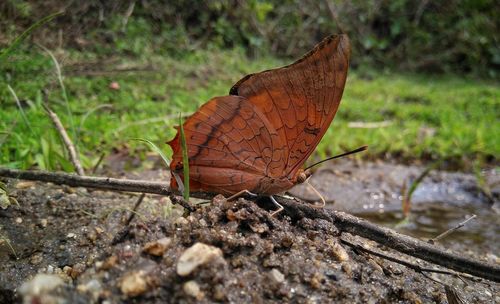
(259, 136)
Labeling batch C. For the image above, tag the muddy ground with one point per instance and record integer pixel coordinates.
(79, 243)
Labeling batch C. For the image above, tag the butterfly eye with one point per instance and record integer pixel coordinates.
(301, 177)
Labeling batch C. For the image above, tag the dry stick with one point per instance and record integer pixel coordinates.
(103, 183)
(392, 239)
(122, 234)
(447, 232)
(134, 210)
(73, 156)
(96, 166)
(415, 267)
(296, 210)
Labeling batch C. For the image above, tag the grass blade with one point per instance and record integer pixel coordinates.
(407, 195)
(185, 159)
(82, 122)
(5, 52)
(25, 118)
(156, 149)
(63, 90)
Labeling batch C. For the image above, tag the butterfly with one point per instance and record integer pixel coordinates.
(259, 136)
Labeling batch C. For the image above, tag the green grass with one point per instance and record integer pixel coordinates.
(429, 117)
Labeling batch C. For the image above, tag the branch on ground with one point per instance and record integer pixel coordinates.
(73, 155)
(294, 208)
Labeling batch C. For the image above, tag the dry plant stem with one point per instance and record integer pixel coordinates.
(103, 183)
(75, 160)
(447, 232)
(392, 239)
(179, 200)
(137, 204)
(296, 210)
(415, 267)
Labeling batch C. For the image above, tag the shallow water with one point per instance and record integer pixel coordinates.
(442, 201)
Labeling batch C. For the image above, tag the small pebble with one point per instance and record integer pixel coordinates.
(108, 264)
(192, 289)
(76, 270)
(317, 280)
(36, 259)
(44, 222)
(25, 185)
(158, 247)
(41, 283)
(346, 267)
(218, 199)
(71, 235)
(219, 294)
(338, 252)
(276, 276)
(93, 287)
(67, 270)
(92, 236)
(181, 221)
(196, 255)
(134, 284)
(50, 269)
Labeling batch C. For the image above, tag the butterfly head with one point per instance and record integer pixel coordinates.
(303, 175)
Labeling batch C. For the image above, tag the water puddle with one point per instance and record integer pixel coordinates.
(442, 201)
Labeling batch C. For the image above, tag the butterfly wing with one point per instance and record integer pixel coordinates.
(230, 144)
(258, 137)
(300, 100)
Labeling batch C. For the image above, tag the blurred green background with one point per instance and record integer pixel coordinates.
(424, 83)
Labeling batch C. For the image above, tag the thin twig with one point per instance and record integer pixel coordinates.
(123, 233)
(137, 204)
(179, 200)
(103, 183)
(415, 267)
(453, 296)
(392, 239)
(99, 161)
(127, 15)
(73, 155)
(447, 232)
(295, 209)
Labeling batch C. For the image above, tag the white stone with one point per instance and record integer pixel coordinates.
(276, 276)
(41, 283)
(196, 255)
(192, 289)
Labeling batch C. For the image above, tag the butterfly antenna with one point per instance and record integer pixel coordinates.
(323, 202)
(360, 149)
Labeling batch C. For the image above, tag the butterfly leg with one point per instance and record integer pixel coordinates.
(275, 202)
(180, 183)
(241, 193)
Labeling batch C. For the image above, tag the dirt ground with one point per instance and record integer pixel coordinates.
(73, 245)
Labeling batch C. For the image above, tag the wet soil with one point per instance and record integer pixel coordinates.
(81, 239)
